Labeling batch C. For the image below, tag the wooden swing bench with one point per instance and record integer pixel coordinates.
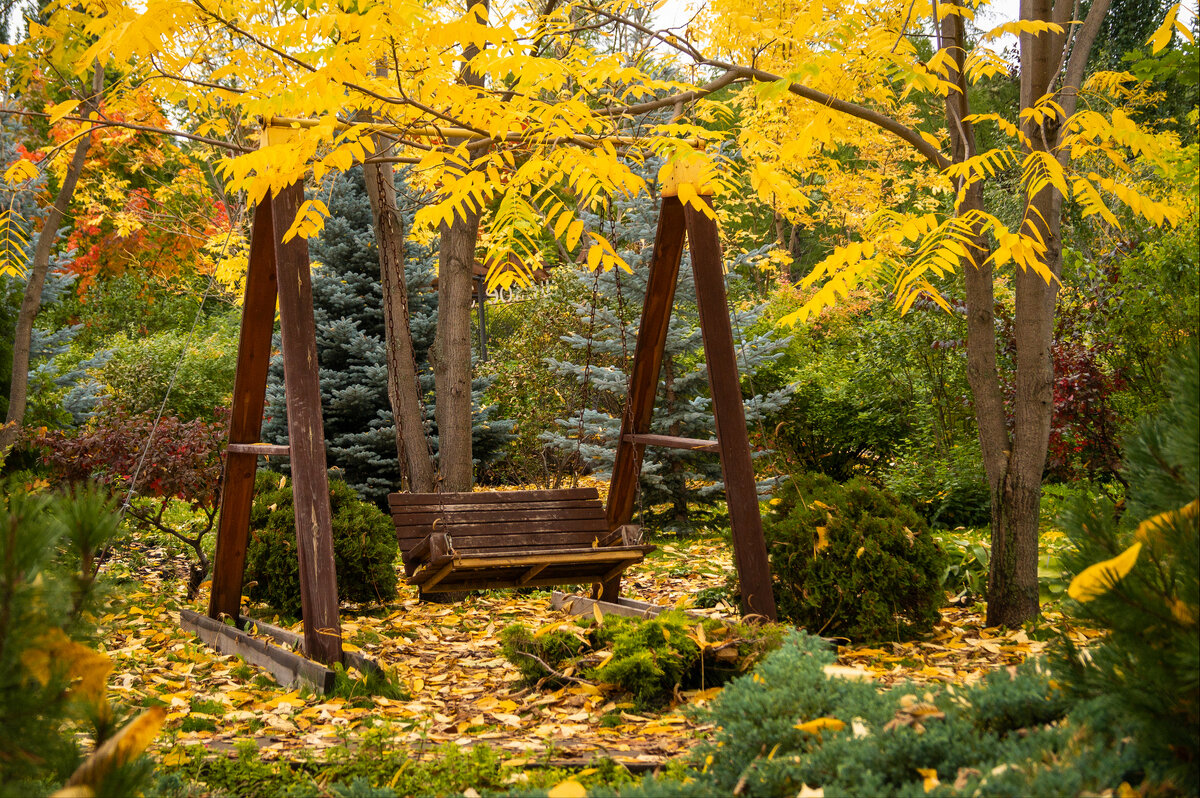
(454, 542)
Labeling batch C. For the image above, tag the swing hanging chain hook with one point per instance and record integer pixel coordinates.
(587, 370)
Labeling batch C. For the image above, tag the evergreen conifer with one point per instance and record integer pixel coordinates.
(360, 438)
(671, 477)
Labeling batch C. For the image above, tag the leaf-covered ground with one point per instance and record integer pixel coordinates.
(460, 689)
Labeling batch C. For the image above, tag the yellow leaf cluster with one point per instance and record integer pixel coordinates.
(54, 655)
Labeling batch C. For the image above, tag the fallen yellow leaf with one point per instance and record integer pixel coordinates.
(820, 724)
(120, 749)
(567, 789)
(822, 539)
(1098, 579)
(1149, 530)
(177, 757)
(930, 777)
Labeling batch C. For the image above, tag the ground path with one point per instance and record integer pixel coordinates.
(461, 688)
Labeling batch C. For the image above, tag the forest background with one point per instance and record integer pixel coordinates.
(961, 259)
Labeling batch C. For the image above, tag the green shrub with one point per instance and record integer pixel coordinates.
(948, 488)
(646, 657)
(1147, 669)
(839, 422)
(364, 546)
(851, 560)
(52, 683)
(1010, 734)
(198, 368)
(523, 649)
(967, 574)
(380, 765)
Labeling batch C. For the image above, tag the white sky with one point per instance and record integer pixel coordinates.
(677, 12)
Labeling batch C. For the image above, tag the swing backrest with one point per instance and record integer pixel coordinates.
(496, 522)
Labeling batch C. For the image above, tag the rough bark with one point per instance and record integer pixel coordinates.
(404, 390)
(1012, 463)
(451, 350)
(1015, 463)
(31, 302)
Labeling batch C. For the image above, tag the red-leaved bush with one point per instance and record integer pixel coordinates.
(148, 465)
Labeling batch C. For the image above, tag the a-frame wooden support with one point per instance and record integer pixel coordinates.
(279, 270)
(749, 549)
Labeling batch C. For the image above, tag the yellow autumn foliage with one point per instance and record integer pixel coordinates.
(1098, 579)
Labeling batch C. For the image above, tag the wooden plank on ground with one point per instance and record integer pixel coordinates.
(286, 666)
(286, 637)
(579, 605)
(574, 604)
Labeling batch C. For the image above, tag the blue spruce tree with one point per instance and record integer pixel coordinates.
(674, 483)
(360, 434)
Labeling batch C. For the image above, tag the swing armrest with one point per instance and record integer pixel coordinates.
(624, 535)
(432, 548)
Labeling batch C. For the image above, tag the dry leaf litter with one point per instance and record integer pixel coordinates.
(463, 691)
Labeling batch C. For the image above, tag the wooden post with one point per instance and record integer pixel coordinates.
(741, 494)
(245, 421)
(647, 365)
(306, 435)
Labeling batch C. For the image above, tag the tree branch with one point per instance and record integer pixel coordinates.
(871, 116)
(726, 79)
(1081, 50)
(554, 673)
(106, 122)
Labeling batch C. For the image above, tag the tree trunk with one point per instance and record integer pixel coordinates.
(31, 303)
(1013, 465)
(404, 388)
(451, 350)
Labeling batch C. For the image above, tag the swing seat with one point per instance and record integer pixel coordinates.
(454, 542)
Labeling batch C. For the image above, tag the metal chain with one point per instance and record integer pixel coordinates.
(162, 408)
(587, 370)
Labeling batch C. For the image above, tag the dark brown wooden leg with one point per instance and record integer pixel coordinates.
(245, 422)
(306, 436)
(749, 548)
(647, 363)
